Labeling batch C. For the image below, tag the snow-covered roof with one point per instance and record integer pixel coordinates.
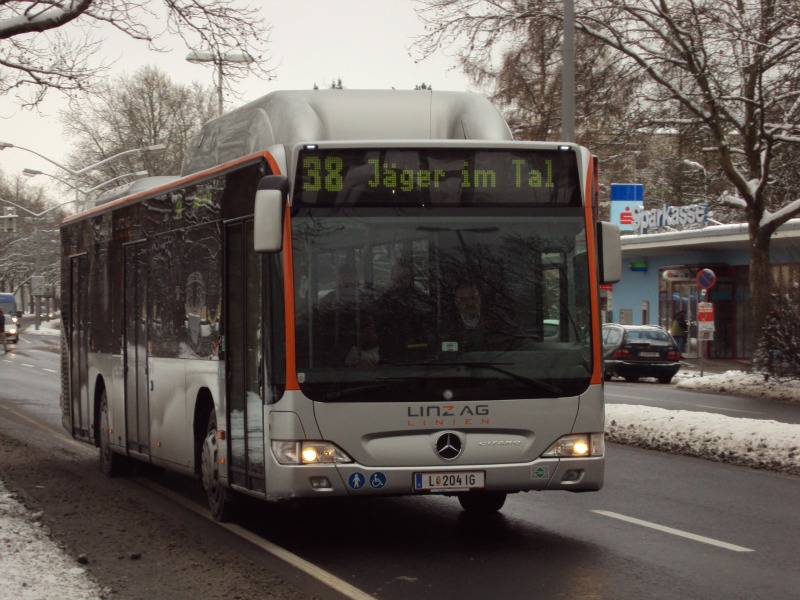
(717, 236)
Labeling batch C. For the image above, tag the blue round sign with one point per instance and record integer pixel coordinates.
(377, 480)
(706, 278)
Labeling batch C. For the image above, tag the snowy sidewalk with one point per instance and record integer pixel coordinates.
(32, 565)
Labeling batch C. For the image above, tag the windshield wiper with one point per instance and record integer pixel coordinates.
(494, 366)
(387, 383)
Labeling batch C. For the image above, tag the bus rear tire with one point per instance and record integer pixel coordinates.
(219, 497)
(482, 503)
(111, 463)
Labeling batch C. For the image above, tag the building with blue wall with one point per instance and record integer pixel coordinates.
(659, 276)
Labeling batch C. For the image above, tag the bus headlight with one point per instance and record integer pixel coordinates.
(306, 452)
(577, 446)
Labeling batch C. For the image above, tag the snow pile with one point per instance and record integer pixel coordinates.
(746, 442)
(740, 383)
(51, 327)
(32, 566)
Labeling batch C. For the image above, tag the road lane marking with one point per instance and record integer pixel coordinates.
(50, 370)
(751, 412)
(673, 401)
(345, 589)
(670, 530)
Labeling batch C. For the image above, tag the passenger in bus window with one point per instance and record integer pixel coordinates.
(473, 327)
(367, 352)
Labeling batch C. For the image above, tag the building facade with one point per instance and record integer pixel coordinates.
(660, 277)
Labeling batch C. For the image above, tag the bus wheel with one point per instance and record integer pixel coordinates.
(219, 497)
(482, 503)
(111, 463)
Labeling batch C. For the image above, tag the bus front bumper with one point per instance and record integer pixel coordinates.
(307, 481)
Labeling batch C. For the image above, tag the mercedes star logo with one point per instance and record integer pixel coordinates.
(448, 446)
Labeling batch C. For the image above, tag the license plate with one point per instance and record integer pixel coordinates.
(649, 354)
(448, 481)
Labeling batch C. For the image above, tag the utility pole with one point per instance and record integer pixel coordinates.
(568, 74)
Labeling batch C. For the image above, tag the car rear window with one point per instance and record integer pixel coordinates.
(656, 335)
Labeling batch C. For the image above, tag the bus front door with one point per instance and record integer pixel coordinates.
(243, 357)
(80, 413)
(137, 422)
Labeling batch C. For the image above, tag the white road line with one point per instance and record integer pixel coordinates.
(751, 412)
(50, 370)
(347, 590)
(27, 365)
(670, 530)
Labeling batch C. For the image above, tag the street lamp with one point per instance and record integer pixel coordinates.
(134, 175)
(568, 74)
(34, 172)
(40, 214)
(83, 171)
(78, 190)
(218, 59)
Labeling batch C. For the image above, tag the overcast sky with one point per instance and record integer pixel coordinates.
(365, 42)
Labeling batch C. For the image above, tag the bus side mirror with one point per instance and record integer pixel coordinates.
(609, 250)
(270, 199)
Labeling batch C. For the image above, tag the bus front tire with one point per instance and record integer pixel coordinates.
(111, 463)
(482, 503)
(219, 497)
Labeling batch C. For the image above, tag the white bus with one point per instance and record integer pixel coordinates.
(347, 293)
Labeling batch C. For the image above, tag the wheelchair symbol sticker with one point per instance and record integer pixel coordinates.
(377, 480)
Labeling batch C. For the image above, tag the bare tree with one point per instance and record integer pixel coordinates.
(733, 68)
(728, 69)
(132, 112)
(49, 44)
(19, 251)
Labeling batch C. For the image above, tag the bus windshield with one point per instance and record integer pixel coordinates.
(474, 287)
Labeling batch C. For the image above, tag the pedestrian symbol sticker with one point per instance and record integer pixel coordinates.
(357, 481)
(377, 480)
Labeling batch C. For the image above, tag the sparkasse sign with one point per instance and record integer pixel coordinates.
(668, 216)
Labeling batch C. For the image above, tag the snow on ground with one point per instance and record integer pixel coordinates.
(739, 383)
(747, 442)
(33, 566)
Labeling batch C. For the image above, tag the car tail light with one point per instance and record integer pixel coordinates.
(621, 353)
(673, 355)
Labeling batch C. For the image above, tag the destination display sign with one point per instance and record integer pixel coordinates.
(441, 176)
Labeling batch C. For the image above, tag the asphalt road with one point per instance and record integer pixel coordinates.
(666, 396)
(665, 526)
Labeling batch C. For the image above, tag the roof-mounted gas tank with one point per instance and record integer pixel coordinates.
(288, 117)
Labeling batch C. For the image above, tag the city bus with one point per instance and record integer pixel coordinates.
(283, 322)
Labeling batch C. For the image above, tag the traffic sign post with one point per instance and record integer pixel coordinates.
(705, 324)
(706, 278)
(705, 316)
